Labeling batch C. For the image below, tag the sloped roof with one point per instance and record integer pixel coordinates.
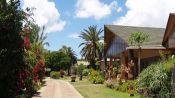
(155, 34)
(116, 38)
(170, 28)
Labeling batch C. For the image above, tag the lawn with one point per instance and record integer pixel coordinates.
(88, 90)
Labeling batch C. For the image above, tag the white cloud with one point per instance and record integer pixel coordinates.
(119, 10)
(74, 35)
(94, 9)
(147, 13)
(46, 14)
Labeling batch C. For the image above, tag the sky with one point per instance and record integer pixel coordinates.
(66, 19)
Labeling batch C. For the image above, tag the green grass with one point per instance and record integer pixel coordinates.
(88, 90)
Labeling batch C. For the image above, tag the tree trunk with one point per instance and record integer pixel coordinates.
(139, 57)
(69, 70)
(4, 4)
(92, 64)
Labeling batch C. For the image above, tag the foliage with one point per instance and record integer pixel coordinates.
(96, 77)
(80, 68)
(22, 66)
(111, 84)
(98, 91)
(39, 70)
(11, 49)
(124, 87)
(70, 52)
(57, 60)
(137, 38)
(91, 45)
(62, 59)
(86, 72)
(168, 64)
(157, 79)
(55, 75)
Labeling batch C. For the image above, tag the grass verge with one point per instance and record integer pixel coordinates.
(88, 90)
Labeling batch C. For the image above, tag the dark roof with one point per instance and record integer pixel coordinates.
(169, 28)
(155, 34)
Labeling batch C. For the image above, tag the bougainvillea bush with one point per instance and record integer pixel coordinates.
(22, 66)
(12, 63)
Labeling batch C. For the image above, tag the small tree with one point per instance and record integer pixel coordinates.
(137, 39)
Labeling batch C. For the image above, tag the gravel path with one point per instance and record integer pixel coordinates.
(57, 89)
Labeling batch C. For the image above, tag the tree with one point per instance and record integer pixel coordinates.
(101, 50)
(138, 38)
(11, 48)
(91, 44)
(69, 51)
(57, 60)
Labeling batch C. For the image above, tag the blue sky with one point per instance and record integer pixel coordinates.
(65, 19)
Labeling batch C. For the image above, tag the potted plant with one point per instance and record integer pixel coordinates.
(73, 74)
(73, 78)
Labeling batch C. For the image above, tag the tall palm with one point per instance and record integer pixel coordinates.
(101, 50)
(40, 38)
(69, 51)
(91, 44)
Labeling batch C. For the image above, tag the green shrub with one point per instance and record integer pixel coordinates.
(111, 84)
(55, 75)
(156, 79)
(167, 65)
(124, 87)
(80, 68)
(86, 72)
(96, 77)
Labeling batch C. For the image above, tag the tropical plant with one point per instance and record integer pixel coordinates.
(91, 45)
(96, 77)
(11, 50)
(138, 38)
(58, 60)
(86, 72)
(69, 52)
(55, 75)
(156, 79)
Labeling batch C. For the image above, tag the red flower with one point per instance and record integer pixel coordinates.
(27, 44)
(36, 78)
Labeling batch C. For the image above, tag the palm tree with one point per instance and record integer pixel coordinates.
(69, 51)
(138, 38)
(101, 50)
(91, 44)
(40, 38)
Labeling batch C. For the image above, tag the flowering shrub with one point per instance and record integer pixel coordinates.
(27, 43)
(96, 77)
(39, 71)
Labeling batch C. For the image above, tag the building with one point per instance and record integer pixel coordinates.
(160, 40)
